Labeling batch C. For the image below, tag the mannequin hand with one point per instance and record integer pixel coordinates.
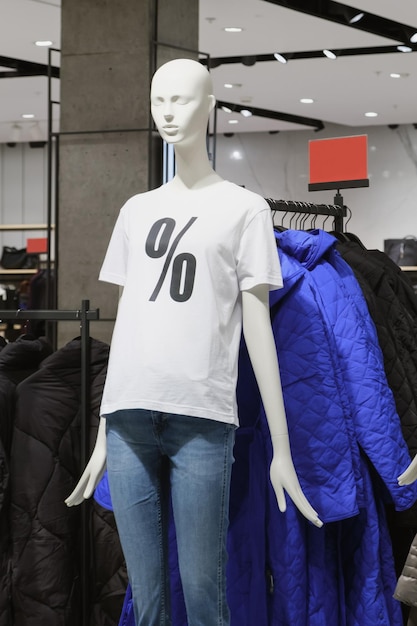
(284, 477)
(410, 474)
(94, 470)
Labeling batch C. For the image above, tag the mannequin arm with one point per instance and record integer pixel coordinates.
(262, 352)
(95, 467)
(94, 470)
(410, 474)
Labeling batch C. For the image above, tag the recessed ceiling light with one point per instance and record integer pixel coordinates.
(329, 54)
(280, 57)
(44, 43)
(371, 114)
(228, 85)
(413, 38)
(394, 75)
(307, 100)
(246, 113)
(356, 18)
(233, 121)
(404, 48)
(226, 109)
(28, 116)
(233, 29)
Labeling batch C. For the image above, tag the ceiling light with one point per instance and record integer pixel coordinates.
(413, 38)
(371, 114)
(44, 43)
(233, 121)
(329, 54)
(246, 113)
(394, 75)
(28, 116)
(233, 29)
(228, 85)
(226, 109)
(236, 155)
(280, 57)
(404, 48)
(307, 100)
(356, 18)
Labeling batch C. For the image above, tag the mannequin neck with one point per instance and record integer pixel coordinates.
(193, 168)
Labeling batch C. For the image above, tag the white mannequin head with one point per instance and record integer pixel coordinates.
(181, 101)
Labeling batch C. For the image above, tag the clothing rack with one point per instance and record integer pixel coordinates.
(337, 211)
(84, 315)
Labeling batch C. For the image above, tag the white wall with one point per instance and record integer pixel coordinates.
(277, 166)
(272, 165)
(23, 191)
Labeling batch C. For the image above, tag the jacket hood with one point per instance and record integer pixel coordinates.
(299, 251)
(307, 247)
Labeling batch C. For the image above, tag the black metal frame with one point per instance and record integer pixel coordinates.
(337, 211)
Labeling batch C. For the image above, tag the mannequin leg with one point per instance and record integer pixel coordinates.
(201, 455)
(135, 468)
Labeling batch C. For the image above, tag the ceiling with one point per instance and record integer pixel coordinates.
(343, 89)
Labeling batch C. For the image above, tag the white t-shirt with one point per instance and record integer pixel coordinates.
(183, 258)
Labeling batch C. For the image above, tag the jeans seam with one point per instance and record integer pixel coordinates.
(162, 614)
(220, 565)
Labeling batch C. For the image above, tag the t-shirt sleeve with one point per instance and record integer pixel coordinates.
(114, 265)
(257, 258)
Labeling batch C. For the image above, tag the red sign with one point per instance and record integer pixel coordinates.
(338, 163)
(37, 245)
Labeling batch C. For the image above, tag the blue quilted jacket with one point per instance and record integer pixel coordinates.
(344, 575)
(347, 447)
(336, 392)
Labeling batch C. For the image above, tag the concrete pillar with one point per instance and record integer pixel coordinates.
(107, 60)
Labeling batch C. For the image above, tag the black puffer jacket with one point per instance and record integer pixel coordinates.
(45, 467)
(5, 588)
(393, 307)
(18, 360)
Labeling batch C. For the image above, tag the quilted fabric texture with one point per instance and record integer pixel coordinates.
(330, 359)
(18, 360)
(44, 468)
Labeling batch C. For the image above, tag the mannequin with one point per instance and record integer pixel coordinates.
(181, 101)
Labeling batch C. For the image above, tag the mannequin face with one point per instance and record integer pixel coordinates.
(181, 101)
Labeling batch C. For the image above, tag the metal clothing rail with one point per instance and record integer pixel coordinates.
(84, 315)
(338, 211)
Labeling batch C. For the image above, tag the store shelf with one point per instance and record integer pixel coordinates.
(22, 272)
(8, 227)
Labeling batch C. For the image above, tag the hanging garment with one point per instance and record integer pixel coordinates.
(331, 290)
(406, 589)
(5, 573)
(342, 574)
(45, 467)
(392, 304)
(393, 308)
(18, 360)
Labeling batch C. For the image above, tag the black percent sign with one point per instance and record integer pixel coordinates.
(183, 265)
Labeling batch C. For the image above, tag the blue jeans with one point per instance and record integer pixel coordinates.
(152, 456)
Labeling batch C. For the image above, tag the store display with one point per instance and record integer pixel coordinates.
(402, 251)
(18, 258)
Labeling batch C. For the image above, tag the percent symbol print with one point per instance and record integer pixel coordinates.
(183, 265)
